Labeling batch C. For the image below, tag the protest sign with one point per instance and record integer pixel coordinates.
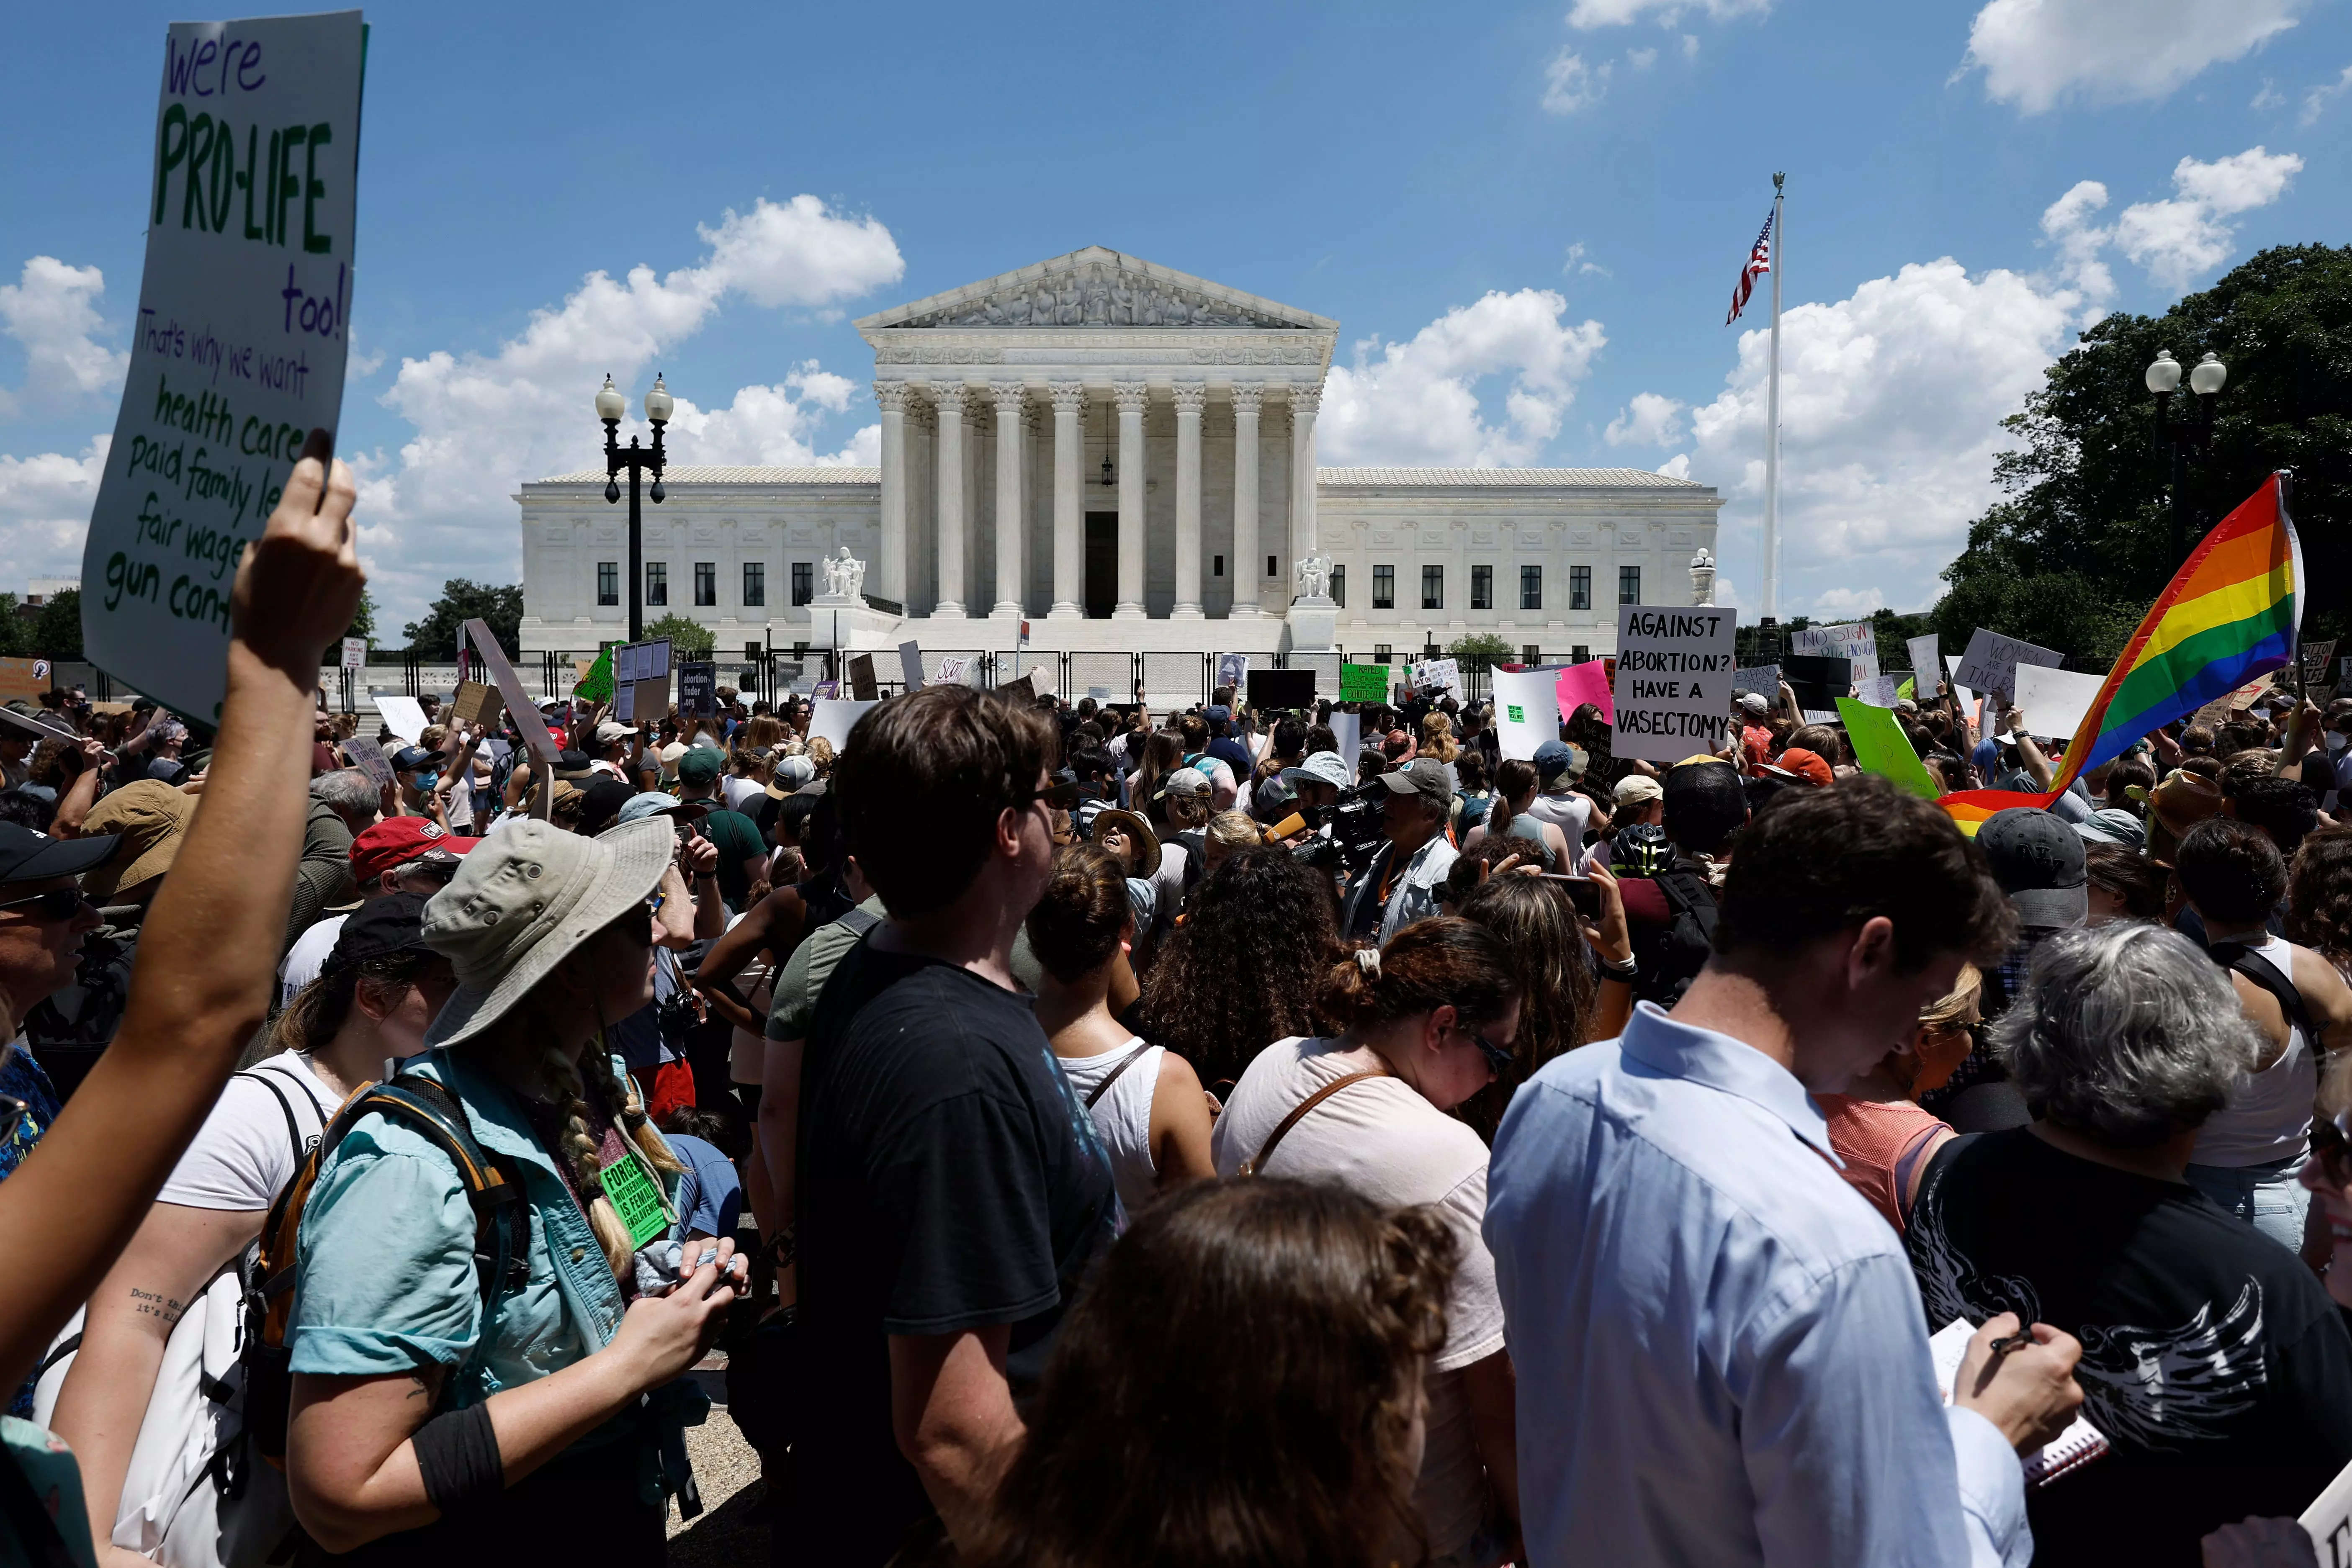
(1233, 670)
(368, 756)
(1274, 689)
(477, 704)
(827, 690)
(1587, 682)
(1526, 711)
(864, 689)
(1880, 747)
(402, 715)
(1879, 690)
(1363, 683)
(698, 688)
(1439, 675)
(2054, 702)
(1348, 735)
(1763, 679)
(1674, 681)
(2329, 1521)
(1991, 663)
(1855, 642)
(1818, 680)
(1926, 663)
(355, 653)
(911, 664)
(2317, 659)
(527, 720)
(955, 670)
(23, 680)
(833, 720)
(592, 678)
(43, 724)
(237, 351)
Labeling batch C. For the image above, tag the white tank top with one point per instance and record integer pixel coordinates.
(2268, 1118)
(1123, 1117)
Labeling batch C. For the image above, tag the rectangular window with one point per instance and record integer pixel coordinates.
(1579, 588)
(1529, 654)
(608, 582)
(657, 583)
(1579, 654)
(1340, 586)
(804, 588)
(755, 582)
(1220, 570)
(705, 582)
(1482, 588)
(1532, 587)
(1269, 567)
(1385, 588)
(1433, 588)
(1629, 585)
(1379, 652)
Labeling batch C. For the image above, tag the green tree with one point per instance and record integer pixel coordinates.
(15, 628)
(1476, 651)
(463, 599)
(688, 639)
(57, 634)
(364, 618)
(2082, 545)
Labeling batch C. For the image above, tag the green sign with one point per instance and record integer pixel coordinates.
(597, 686)
(1519, 714)
(1363, 683)
(637, 1198)
(1880, 747)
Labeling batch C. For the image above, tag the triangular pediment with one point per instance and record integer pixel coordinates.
(1097, 287)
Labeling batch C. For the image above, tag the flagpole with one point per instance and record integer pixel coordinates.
(1772, 417)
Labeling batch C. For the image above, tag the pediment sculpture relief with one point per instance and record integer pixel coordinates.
(1096, 297)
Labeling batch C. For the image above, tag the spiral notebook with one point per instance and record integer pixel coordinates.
(2069, 1451)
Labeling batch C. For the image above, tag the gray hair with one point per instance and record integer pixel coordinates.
(2127, 1032)
(349, 790)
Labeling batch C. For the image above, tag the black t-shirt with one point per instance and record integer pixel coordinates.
(948, 1180)
(2214, 1362)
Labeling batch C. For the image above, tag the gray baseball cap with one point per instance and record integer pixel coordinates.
(1425, 776)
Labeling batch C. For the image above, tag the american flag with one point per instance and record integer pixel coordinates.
(1759, 260)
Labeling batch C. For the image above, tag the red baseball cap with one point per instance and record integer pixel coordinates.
(397, 840)
(1798, 763)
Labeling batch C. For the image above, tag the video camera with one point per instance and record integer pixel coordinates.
(1355, 838)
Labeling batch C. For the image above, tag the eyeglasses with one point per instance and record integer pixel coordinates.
(57, 903)
(1497, 1057)
(1061, 796)
(2331, 1140)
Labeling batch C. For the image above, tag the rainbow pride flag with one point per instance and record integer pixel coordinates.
(2229, 616)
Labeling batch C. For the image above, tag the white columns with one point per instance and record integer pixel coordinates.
(1069, 520)
(1189, 397)
(890, 570)
(947, 403)
(1011, 526)
(1248, 577)
(1304, 401)
(1129, 397)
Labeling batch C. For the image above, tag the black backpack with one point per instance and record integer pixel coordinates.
(1672, 955)
(2241, 959)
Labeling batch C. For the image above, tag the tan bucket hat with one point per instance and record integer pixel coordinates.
(152, 819)
(525, 897)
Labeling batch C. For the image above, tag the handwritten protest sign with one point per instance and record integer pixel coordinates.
(1526, 710)
(238, 352)
(477, 704)
(367, 755)
(2329, 1521)
(1440, 675)
(864, 689)
(1764, 679)
(1991, 659)
(1880, 747)
(955, 670)
(1363, 683)
(1926, 663)
(1674, 681)
(1879, 690)
(2054, 702)
(404, 716)
(1855, 642)
(2316, 657)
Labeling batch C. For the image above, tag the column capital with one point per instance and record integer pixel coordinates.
(1069, 397)
(948, 397)
(1248, 397)
(1011, 398)
(1306, 399)
(1191, 397)
(891, 395)
(1129, 396)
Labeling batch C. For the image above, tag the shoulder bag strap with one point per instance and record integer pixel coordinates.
(2241, 959)
(1129, 1059)
(1266, 1150)
(294, 1137)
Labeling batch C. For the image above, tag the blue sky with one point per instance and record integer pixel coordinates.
(1527, 222)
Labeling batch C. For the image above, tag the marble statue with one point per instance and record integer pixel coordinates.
(1122, 302)
(1314, 577)
(845, 576)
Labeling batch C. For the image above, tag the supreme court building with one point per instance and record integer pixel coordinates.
(1124, 457)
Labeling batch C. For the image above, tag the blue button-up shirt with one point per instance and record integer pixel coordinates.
(1721, 1354)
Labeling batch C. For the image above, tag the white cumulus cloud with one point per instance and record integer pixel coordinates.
(1591, 13)
(1569, 84)
(44, 502)
(1418, 401)
(2178, 239)
(2037, 53)
(1649, 419)
(52, 311)
(2315, 101)
(484, 422)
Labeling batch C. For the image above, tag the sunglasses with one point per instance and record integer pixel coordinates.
(57, 903)
(1497, 1055)
(2331, 1140)
(1061, 796)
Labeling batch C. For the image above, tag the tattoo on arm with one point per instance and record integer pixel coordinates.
(148, 1304)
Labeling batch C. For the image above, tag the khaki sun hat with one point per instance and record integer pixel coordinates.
(525, 897)
(152, 819)
(1130, 825)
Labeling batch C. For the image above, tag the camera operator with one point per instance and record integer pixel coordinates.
(1400, 887)
(1316, 784)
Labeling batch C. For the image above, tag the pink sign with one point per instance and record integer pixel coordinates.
(1586, 682)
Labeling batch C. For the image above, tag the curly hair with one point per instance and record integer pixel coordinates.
(1255, 1347)
(2319, 894)
(1555, 987)
(1246, 967)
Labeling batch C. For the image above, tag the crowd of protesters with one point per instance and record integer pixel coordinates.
(1099, 1135)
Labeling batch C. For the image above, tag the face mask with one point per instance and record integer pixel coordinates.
(426, 780)
(2337, 741)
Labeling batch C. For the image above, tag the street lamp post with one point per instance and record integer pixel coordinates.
(610, 406)
(2206, 381)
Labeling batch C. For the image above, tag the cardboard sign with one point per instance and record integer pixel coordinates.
(1763, 679)
(42, 724)
(24, 680)
(1587, 682)
(1990, 663)
(833, 720)
(911, 664)
(1674, 681)
(477, 704)
(237, 349)
(1233, 670)
(863, 687)
(355, 650)
(1526, 711)
(2054, 702)
(697, 689)
(1440, 675)
(527, 720)
(1926, 662)
(1363, 683)
(404, 716)
(367, 755)
(1855, 642)
(1880, 747)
